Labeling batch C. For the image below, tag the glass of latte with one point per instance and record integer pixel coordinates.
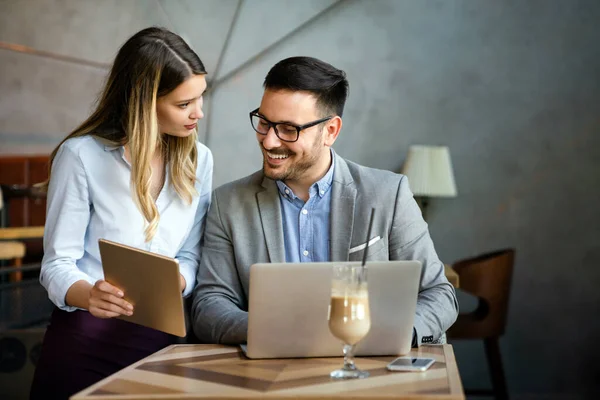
(349, 316)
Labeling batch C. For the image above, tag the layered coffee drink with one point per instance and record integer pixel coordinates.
(349, 316)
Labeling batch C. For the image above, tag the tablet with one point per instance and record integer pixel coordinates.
(150, 283)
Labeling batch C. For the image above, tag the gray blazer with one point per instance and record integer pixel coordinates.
(244, 226)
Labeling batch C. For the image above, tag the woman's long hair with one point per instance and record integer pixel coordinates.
(150, 64)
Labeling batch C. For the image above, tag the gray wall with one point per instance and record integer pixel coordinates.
(512, 87)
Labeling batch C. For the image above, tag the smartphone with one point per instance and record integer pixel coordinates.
(410, 364)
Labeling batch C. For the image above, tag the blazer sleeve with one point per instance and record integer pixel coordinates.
(437, 307)
(219, 306)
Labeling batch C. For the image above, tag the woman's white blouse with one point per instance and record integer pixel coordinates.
(90, 198)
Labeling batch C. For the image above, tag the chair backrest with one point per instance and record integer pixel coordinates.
(488, 277)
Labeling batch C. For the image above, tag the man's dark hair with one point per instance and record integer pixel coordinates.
(327, 83)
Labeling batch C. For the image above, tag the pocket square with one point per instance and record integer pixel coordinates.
(364, 245)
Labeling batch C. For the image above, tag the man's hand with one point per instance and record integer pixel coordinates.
(106, 301)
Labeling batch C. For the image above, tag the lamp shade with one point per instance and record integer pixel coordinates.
(429, 171)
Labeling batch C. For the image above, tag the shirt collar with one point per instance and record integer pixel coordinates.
(324, 183)
(108, 145)
(321, 186)
(111, 146)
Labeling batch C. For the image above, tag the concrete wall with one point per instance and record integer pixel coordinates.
(512, 87)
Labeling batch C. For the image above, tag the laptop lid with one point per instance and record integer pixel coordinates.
(288, 307)
(150, 283)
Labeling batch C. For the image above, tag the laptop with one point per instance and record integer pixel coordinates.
(150, 282)
(288, 307)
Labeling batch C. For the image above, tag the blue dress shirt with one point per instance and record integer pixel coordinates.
(306, 225)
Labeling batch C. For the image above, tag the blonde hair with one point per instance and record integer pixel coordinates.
(150, 64)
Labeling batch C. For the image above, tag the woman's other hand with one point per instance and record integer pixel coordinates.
(106, 301)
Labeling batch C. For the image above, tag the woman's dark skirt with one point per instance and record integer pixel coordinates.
(80, 350)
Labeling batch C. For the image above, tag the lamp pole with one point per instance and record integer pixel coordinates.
(422, 202)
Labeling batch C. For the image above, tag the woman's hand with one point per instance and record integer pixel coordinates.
(182, 283)
(106, 301)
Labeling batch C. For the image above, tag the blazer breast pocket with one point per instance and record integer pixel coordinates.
(376, 246)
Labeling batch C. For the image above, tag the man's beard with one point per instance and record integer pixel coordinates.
(295, 170)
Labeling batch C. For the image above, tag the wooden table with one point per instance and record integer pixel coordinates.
(26, 232)
(223, 372)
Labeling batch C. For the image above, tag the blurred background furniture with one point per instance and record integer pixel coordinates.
(488, 277)
(430, 174)
(23, 302)
(13, 252)
(24, 205)
(22, 210)
(24, 305)
(25, 232)
(452, 276)
(21, 203)
(19, 353)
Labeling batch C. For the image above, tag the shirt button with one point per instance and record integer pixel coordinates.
(322, 192)
(304, 212)
(305, 252)
(287, 191)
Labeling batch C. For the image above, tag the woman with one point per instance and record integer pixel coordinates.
(133, 173)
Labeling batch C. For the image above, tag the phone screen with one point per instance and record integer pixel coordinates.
(411, 362)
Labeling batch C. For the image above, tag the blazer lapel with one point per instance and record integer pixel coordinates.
(343, 197)
(271, 219)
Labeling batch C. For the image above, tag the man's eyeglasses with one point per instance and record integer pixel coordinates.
(284, 131)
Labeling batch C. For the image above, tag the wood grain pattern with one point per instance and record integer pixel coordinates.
(223, 372)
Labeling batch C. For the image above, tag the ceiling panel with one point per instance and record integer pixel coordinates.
(203, 24)
(262, 23)
(87, 30)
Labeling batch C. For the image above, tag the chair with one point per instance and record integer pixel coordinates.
(488, 277)
(13, 251)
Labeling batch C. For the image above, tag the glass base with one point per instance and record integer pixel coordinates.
(348, 374)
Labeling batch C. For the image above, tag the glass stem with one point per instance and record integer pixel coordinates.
(349, 357)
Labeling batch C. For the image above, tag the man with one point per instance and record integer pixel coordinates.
(308, 204)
